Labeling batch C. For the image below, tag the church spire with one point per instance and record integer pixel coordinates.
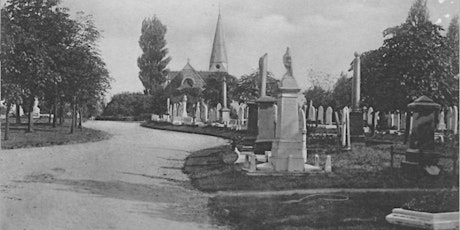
(218, 62)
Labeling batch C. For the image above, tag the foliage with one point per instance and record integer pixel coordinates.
(452, 44)
(49, 56)
(411, 62)
(341, 93)
(212, 93)
(247, 87)
(153, 61)
(319, 96)
(135, 104)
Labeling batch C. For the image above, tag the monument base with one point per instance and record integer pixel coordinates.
(225, 115)
(356, 126)
(287, 156)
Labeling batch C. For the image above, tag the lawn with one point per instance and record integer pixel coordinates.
(45, 135)
(360, 211)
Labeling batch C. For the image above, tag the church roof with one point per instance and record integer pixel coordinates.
(219, 53)
(181, 79)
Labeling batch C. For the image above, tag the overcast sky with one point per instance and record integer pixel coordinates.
(322, 34)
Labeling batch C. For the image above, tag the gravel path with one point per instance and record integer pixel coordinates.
(132, 181)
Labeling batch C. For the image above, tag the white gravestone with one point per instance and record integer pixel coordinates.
(329, 116)
(320, 114)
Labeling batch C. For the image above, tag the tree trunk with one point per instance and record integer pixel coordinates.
(49, 116)
(72, 106)
(80, 118)
(373, 123)
(7, 121)
(18, 114)
(55, 110)
(30, 125)
(61, 113)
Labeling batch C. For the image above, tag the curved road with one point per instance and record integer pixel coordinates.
(131, 181)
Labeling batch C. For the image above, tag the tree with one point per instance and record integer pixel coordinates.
(411, 62)
(342, 92)
(35, 30)
(212, 92)
(247, 88)
(452, 44)
(153, 61)
(319, 96)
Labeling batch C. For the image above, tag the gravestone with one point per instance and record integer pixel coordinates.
(35, 109)
(265, 114)
(320, 114)
(376, 118)
(252, 118)
(455, 120)
(403, 120)
(287, 148)
(184, 107)
(398, 120)
(219, 109)
(365, 114)
(421, 140)
(213, 115)
(441, 123)
(369, 116)
(197, 112)
(329, 116)
(303, 126)
(449, 118)
(204, 112)
(311, 112)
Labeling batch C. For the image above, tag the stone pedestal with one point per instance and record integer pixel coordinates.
(287, 148)
(421, 139)
(356, 126)
(252, 118)
(266, 124)
(225, 115)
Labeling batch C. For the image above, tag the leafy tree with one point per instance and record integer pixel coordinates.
(35, 30)
(319, 96)
(412, 62)
(452, 44)
(247, 87)
(341, 93)
(153, 61)
(212, 92)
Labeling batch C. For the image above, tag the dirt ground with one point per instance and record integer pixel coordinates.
(131, 181)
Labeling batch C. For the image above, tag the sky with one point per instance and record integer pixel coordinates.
(322, 34)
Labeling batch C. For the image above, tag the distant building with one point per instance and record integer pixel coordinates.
(188, 77)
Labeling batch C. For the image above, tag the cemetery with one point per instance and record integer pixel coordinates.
(378, 150)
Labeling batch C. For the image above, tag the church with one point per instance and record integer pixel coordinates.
(188, 77)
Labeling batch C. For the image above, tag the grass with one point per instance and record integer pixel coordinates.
(364, 167)
(45, 135)
(357, 211)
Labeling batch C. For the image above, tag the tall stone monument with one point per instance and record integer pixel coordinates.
(287, 147)
(266, 112)
(356, 114)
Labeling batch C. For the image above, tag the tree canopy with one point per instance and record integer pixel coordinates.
(413, 61)
(153, 61)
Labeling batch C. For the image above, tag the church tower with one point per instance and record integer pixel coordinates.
(218, 62)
